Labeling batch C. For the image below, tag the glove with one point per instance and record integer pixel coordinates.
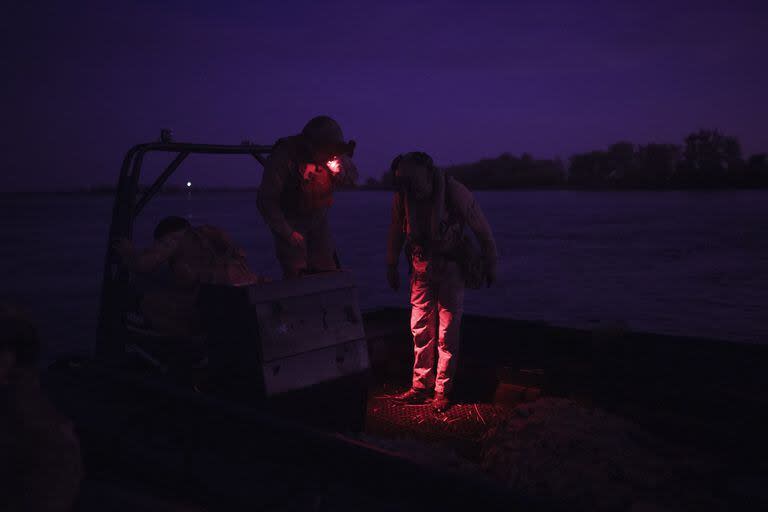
(297, 239)
(393, 277)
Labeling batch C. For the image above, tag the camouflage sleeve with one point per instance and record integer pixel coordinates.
(271, 188)
(396, 236)
(467, 207)
(149, 259)
(159, 253)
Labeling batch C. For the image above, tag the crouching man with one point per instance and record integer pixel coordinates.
(429, 213)
(182, 258)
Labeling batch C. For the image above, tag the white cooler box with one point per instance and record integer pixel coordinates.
(309, 331)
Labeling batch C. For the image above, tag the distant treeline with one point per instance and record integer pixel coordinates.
(707, 159)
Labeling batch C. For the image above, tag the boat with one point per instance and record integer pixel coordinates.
(294, 412)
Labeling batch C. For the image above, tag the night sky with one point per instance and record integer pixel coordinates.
(83, 81)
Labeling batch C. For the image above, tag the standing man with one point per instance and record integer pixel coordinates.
(297, 190)
(429, 212)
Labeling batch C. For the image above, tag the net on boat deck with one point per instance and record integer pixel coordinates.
(461, 426)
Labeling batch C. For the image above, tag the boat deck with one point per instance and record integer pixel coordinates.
(461, 428)
(221, 449)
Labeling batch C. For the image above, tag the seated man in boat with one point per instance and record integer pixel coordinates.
(186, 257)
(296, 193)
(40, 464)
(429, 212)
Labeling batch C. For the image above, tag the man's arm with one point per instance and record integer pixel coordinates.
(395, 241)
(396, 235)
(150, 259)
(271, 188)
(467, 207)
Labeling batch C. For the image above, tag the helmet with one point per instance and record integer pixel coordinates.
(323, 130)
(417, 158)
(324, 133)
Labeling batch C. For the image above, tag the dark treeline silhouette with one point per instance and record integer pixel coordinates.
(509, 171)
(506, 171)
(707, 159)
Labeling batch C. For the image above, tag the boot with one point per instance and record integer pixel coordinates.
(441, 403)
(413, 396)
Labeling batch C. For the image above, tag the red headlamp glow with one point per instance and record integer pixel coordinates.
(334, 165)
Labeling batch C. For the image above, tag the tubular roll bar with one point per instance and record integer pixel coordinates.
(129, 203)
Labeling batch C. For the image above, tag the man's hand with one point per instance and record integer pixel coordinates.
(393, 277)
(297, 240)
(490, 275)
(123, 248)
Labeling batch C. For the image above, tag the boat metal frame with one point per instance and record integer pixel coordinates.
(130, 201)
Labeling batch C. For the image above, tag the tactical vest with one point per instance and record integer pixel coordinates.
(308, 187)
(451, 233)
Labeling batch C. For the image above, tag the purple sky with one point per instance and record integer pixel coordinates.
(461, 80)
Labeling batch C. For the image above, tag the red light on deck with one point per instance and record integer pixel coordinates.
(334, 166)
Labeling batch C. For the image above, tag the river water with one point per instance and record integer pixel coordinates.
(688, 263)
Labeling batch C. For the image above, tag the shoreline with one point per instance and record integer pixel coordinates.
(179, 192)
